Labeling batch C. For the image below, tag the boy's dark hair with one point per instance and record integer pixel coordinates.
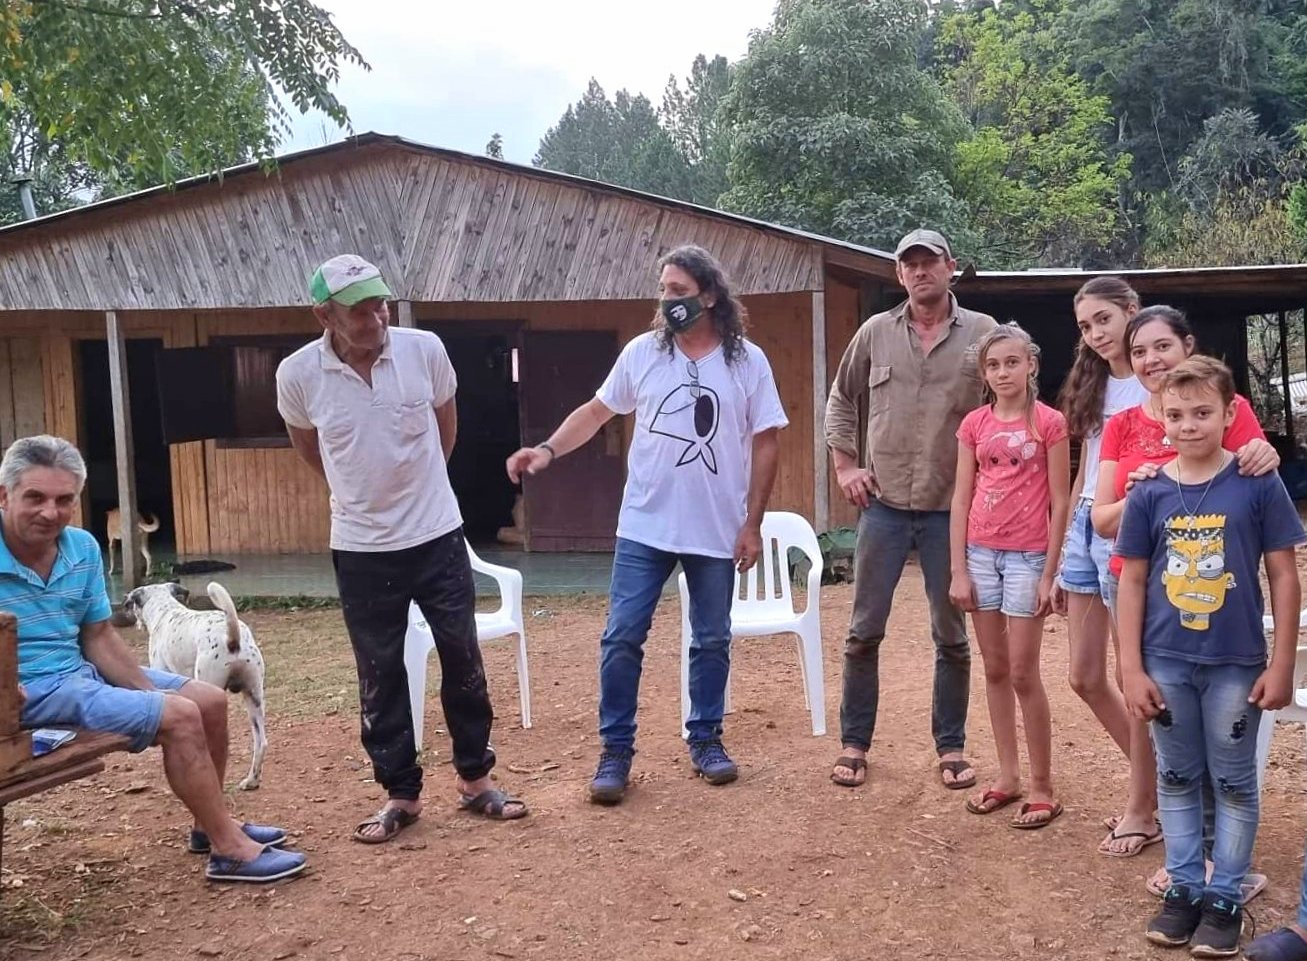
(1201, 371)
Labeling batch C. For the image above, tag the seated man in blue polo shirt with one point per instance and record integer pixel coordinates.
(76, 671)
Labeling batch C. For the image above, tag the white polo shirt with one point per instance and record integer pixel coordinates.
(381, 444)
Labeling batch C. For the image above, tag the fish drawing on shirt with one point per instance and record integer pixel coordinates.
(690, 413)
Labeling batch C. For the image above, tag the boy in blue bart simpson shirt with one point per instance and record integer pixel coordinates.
(1193, 654)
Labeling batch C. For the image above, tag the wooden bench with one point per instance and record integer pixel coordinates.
(22, 775)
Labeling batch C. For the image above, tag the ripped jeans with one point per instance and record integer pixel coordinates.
(1208, 728)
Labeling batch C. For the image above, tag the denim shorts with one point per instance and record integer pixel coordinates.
(1006, 581)
(1085, 555)
(85, 699)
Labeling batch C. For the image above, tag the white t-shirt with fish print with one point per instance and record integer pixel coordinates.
(687, 474)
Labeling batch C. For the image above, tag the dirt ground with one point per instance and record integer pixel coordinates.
(780, 865)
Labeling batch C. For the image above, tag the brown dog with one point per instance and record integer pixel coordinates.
(113, 525)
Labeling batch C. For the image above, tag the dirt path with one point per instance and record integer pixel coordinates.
(896, 870)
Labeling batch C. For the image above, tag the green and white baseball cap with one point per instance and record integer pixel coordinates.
(347, 279)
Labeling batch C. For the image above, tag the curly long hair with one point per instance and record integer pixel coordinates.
(729, 317)
(1085, 388)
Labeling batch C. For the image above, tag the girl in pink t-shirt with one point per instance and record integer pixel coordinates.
(1009, 515)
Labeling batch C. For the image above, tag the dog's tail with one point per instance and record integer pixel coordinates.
(149, 528)
(222, 601)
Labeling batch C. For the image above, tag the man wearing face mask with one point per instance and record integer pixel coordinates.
(699, 473)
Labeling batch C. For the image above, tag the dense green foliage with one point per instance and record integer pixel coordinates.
(117, 94)
(1035, 132)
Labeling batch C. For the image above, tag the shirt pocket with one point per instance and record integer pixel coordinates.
(967, 388)
(878, 389)
(414, 418)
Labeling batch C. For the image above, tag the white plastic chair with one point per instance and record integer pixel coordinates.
(771, 610)
(507, 620)
(1295, 711)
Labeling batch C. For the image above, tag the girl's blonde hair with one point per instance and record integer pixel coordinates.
(1012, 331)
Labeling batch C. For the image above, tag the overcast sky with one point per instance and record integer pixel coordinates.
(453, 73)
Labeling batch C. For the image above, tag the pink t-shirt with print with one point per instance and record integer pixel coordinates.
(1010, 506)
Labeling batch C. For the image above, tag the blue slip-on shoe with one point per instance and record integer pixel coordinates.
(711, 762)
(1282, 944)
(272, 864)
(608, 786)
(264, 834)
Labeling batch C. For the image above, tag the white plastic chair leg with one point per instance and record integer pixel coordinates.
(523, 681)
(1264, 734)
(685, 660)
(814, 680)
(417, 646)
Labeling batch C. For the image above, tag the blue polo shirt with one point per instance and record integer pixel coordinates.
(51, 613)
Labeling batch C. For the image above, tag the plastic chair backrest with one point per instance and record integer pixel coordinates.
(767, 584)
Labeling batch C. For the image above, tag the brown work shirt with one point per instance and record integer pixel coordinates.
(916, 400)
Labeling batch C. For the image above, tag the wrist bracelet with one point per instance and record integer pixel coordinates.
(545, 445)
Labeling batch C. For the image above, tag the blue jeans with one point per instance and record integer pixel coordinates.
(639, 573)
(1085, 554)
(886, 536)
(85, 699)
(1211, 729)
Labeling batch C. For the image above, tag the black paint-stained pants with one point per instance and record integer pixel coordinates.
(375, 591)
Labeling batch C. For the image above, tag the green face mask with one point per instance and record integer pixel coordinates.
(680, 313)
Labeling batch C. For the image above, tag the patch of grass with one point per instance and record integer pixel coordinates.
(28, 922)
(310, 665)
(290, 603)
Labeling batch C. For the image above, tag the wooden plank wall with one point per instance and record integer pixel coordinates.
(22, 388)
(779, 324)
(258, 501)
(441, 227)
(843, 319)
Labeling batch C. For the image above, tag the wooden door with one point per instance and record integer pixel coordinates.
(573, 505)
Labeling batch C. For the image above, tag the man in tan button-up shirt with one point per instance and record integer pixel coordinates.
(917, 366)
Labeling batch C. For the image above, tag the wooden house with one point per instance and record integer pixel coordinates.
(147, 328)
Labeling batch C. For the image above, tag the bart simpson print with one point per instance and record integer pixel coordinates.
(1195, 577)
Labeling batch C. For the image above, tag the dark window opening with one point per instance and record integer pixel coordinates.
(226, 391)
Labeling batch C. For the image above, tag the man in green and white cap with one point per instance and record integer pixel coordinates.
(371, 409)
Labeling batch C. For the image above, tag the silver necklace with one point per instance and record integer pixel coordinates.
(1179, 489)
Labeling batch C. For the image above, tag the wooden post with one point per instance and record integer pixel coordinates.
(133, 564)
(15, 745)
(820, 456)
(404, 310)
(1284, 379)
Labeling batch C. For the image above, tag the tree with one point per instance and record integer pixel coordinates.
(495, 147)
(56, 181)
(1036, 171)
(617, 142)
(693, 119)
(160, 88)
(1168, 65)
(836, 129)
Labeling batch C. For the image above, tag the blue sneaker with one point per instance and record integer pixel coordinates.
(712, 763)
(608, 786)
(263, 834)
(271, 865)
(1282, 944)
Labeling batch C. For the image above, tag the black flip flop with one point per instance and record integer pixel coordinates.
(955, 768)
(854, 764)
(392, 821)
(490, 804)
